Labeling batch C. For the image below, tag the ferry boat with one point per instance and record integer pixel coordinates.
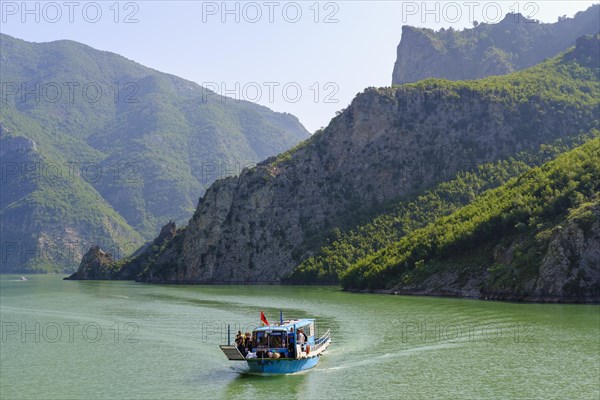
(284, 348)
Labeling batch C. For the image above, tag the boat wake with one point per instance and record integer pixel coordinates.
(384, 357)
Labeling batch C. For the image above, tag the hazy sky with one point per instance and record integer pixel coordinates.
(307, 58)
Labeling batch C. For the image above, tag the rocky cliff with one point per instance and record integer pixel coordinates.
(571, 266)
(488, 49)
(95, 265)
(387, 144)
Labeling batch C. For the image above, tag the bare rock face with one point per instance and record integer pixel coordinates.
(571, 267)
(167, 232)
(95, 265)
(514, 43)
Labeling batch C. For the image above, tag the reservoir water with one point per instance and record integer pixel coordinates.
(112, 340)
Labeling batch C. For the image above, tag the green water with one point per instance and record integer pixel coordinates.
(109, 340)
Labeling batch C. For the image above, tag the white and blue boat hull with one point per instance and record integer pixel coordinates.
(281, 366)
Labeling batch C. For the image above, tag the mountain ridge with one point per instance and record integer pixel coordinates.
(513, 44)
(143, 143)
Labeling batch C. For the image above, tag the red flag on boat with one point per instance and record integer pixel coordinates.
(263, 319)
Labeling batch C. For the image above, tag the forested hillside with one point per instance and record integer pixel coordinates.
(100, 150)
(506, 242)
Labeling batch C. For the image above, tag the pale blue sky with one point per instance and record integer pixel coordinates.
(354, 49)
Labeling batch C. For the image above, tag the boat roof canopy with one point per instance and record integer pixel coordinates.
(299, 323)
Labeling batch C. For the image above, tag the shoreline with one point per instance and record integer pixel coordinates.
(504, 297)
(470, 295)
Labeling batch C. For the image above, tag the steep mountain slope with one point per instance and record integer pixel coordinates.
(49, 213)
(390, 143)
(389, 226)
(536, 236)
(133, 145)
(513, 44)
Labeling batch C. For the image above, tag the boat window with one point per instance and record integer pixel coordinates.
(261, 339)
(275, 339)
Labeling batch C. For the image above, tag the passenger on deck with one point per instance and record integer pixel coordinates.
(240, 343)
(248, 342)
(301, 339)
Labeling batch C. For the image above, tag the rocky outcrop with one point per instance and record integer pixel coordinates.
(571, 267)
(388, 143)
(95, 265)
(167, 232)
(488, 49)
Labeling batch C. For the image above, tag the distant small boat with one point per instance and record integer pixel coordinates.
(23, 279)
(284, 348)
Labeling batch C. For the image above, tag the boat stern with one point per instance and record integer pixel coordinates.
(280, 366)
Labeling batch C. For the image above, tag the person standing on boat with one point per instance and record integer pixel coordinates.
(240, 343)
(301, 339)
(248, 343)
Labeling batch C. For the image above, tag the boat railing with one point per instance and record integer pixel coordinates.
(322, 340)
